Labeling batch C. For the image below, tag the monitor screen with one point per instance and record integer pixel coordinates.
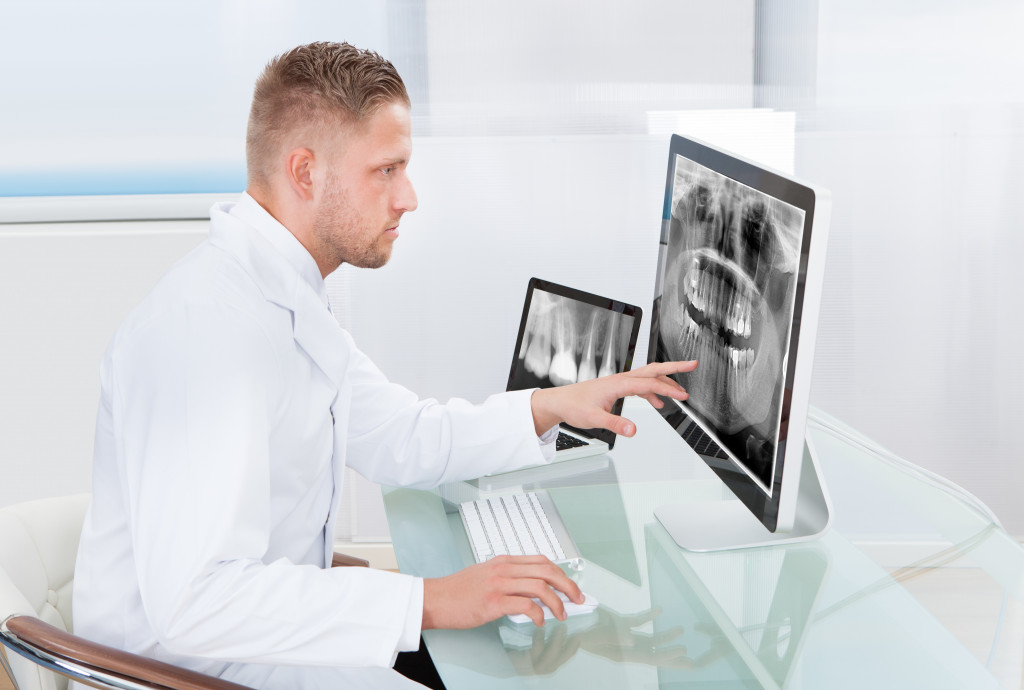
(738, 289)
(732, 257)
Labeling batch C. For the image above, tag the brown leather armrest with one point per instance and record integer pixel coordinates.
(55, 641)
(341, 560)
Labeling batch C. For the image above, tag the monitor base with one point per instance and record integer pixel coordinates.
(728, 524)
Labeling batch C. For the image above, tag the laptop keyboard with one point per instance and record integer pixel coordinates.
(565, 441)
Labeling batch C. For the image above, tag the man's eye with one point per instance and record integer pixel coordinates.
(387, 170)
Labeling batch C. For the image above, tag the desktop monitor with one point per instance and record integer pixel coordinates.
(738, 288)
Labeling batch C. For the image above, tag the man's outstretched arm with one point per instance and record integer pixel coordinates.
(587, 405)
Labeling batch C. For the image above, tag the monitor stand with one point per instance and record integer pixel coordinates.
(728, 524)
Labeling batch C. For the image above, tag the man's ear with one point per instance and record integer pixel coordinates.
(299, 167)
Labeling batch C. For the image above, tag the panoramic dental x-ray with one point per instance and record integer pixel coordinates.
(727, 301)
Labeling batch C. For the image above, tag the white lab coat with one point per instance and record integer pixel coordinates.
(231, 403)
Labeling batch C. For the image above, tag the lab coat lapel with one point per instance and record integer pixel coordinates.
(314, 329)
(318, 333)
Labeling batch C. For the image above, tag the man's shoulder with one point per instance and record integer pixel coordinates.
(207, 295)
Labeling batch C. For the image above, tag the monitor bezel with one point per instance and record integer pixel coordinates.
(775, 510)
(594, 300)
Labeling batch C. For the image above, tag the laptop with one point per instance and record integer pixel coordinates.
(565, 336)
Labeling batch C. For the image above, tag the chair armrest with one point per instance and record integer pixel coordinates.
(38, 636)
(341, 560)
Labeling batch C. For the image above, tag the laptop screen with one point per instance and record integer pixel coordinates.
(567, 335)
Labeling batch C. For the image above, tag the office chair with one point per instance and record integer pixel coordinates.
(38, 546)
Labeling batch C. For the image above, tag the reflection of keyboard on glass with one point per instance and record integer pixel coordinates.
(522, 524)
(565, 441)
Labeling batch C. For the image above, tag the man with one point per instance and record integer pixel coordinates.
(232, 402)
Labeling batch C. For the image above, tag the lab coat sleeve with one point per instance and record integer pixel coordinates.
(194, 461)
(399, 440)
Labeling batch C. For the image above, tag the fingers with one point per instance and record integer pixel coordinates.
(649, 387)
(530, 568)
(531, 579)
(616, 424)
(666, 368)
(514, 605)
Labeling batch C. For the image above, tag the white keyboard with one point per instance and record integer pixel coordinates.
(523, 524)
(516, 525)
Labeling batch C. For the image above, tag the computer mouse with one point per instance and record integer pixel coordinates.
(571, 609)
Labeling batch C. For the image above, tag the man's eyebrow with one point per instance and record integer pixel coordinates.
(397, 160)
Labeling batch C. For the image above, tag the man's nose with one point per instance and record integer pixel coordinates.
(405, 200)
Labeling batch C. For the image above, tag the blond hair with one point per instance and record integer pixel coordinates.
(315, 86)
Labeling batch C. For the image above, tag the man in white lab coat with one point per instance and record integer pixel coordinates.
(232, 402)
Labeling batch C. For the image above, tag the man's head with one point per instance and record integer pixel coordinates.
(327, 146)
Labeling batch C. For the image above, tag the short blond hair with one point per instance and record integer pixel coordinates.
(314, 86)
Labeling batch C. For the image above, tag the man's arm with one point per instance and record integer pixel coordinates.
(588, 405)
(507, 585)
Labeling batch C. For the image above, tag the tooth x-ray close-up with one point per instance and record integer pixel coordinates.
(566, 341)
(727, 300)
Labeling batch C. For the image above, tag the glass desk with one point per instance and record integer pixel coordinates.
(913, 586)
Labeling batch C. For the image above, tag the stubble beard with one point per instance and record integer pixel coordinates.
(341, 234)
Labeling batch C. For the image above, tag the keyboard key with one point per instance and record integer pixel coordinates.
(565, 441)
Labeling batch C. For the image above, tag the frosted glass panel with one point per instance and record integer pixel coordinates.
(128, 97)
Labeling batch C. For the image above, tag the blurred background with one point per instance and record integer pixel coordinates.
(541, 134)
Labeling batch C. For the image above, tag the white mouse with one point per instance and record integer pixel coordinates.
(571, 609)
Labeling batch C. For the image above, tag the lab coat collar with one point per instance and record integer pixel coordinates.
(281, 268)
(252, 214)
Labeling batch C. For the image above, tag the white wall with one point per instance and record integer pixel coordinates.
(917, 130)
(65, 288)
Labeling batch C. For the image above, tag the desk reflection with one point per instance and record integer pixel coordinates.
(744, 613)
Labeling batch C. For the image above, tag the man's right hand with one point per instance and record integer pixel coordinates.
(505, 585)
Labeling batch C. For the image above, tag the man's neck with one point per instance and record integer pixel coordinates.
(289, 218)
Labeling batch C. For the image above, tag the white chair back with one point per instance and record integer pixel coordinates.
(38, 547)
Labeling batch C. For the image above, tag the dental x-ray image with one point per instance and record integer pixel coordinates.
(727, 300)
(566, 341)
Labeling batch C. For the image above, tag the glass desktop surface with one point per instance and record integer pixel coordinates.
(911, 586)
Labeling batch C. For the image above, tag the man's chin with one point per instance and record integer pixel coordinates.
(371, 260)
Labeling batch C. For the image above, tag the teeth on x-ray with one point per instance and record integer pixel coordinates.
(564, 367)
(588, 359)
(538, 354)
(722, 304)
(568, 341)
(608, 361)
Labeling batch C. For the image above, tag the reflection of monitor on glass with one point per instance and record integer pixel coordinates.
(738, 289)
(742, 616)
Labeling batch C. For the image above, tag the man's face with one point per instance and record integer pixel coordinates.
(364, 191)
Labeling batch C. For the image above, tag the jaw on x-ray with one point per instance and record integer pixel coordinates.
(727, 301)
(568, 341)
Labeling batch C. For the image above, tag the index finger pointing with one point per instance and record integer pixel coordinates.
(667, 368)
